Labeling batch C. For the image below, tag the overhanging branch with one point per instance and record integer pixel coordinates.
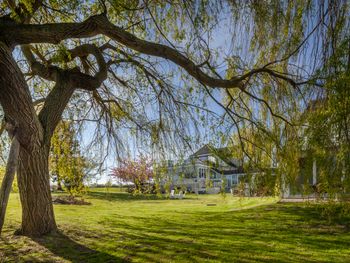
(54, 33)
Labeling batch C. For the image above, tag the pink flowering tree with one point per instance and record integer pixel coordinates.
(139, 172)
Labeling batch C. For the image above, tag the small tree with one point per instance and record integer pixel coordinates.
(139, 172)
(67, 165)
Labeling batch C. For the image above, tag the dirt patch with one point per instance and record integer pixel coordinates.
(69, 200)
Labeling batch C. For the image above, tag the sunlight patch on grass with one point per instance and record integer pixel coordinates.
(119, 227)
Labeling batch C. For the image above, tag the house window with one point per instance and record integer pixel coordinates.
(234, 179)
(228, 181)
(201, 172)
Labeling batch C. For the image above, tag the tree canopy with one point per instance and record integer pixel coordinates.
(155, 69)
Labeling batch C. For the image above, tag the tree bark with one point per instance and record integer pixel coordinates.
(17, 103)
(7, 181)
(32, 171)
(34, 185)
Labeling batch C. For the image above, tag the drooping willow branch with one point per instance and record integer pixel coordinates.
(13, 35)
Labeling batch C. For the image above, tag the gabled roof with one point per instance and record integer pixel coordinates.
(223, 153)
(206, 149)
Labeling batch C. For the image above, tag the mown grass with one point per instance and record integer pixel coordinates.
(119, 227)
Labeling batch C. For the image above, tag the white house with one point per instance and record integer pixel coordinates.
(209, 170)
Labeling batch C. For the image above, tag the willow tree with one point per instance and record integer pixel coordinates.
(286, 131)
(114, 62)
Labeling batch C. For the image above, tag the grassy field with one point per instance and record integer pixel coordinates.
(118, 227)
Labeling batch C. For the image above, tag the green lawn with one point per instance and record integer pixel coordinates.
(118, 227)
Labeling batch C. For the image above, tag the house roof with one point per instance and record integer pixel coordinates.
(206, 149)
(225, 172)
(223, 153)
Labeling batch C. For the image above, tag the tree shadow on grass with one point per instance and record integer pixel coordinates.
(122, 196)
(316, 214)
(261, 234)
(63, 246)
(128, 197)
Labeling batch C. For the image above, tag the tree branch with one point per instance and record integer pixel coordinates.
(66, 82)
(76, 79)
(13, 34)
(54, 33)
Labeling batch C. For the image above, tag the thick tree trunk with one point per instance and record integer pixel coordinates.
(32, 170)
(34, 187)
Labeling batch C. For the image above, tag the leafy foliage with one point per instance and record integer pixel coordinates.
(287, 131)
(69, 168)
(328, 132)
(139, 172)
